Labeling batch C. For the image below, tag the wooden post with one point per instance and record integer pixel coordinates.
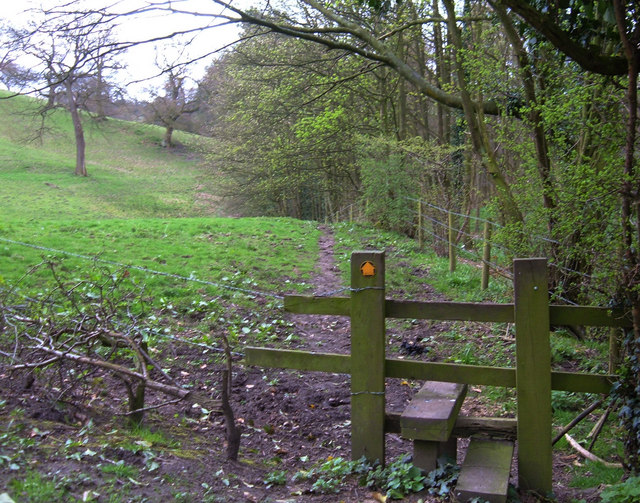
(452, 248)
(367, 355)
(486, 255)
(533, 375)
(614, 350)
(351, 213)
(420, 225)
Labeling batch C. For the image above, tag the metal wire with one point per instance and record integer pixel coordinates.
(147, 270)
(473, 254)
(549, 240)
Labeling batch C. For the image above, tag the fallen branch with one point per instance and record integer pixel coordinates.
(589, 455)
(595, 432)
(181, 393)
(150, 407)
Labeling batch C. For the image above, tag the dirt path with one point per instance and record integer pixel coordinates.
(328, 334)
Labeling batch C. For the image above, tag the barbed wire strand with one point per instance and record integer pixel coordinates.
(479, 219)
(568, 269)
(475, 255)
(178, 276)
(147, 270)
(501, 246)
(461, 231)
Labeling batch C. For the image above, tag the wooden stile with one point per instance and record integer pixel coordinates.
(368, 366)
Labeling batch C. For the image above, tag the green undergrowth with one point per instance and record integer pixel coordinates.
(94, 463)
(395, 481)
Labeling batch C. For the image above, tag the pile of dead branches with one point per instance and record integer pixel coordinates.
(75, 331)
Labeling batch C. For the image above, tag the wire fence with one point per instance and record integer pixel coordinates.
(479, 241)
(459, 231)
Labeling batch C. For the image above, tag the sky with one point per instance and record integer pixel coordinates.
(140, 60)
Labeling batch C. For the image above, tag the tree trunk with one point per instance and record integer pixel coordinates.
(630, 37)
(442, 77)
(535, 118)
(477, 128)
(168, 137)
(401, 133)
(81, 168)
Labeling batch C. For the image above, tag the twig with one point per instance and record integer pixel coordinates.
(34, 365)
(155, 385)
(158, 368)
(589, 455)
(233, 430)
(595, 432)
(150, 407)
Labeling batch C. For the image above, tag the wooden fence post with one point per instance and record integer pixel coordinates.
(367, 355)
(614, 350)
(420, 225)
(486, 255)
(533, 375)
(452, 246)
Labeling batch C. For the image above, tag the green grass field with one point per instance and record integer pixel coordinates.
(141, 205)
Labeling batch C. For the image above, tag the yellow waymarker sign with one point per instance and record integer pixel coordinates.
(368, 269)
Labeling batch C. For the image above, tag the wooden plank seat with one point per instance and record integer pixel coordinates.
(429, 419)
(485, 471)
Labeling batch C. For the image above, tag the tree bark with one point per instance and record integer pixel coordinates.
(630, 192)
(168, 137)
(81, 168)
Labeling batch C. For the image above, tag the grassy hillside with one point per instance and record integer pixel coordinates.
(130, 174)
(141, 205)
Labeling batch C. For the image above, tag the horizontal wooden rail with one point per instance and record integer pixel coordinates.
(427, 371)
(464, 374)
(298, 360)
(589, 316)
(460, 311)
(300, 304)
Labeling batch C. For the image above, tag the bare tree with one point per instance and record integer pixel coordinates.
(176, 99)
(69, 59)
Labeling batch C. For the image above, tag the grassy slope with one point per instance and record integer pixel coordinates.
(130, 174)
(126, 209)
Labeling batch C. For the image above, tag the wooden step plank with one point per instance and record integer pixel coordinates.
(432, 412)
(485, 471)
